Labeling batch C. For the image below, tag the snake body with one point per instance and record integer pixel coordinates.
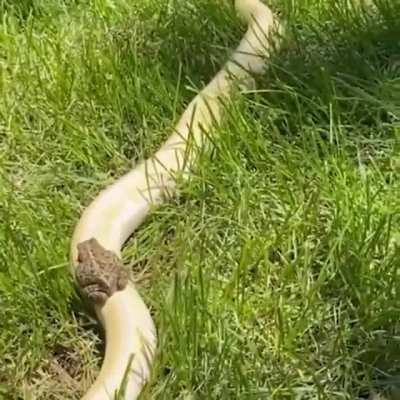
(120, 208)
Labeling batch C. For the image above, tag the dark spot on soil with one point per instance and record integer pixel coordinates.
(68, 360)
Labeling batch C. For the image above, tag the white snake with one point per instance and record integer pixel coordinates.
(118, 210)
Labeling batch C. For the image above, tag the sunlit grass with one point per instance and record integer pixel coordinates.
(274, 273)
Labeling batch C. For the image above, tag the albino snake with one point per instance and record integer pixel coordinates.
(118, 210)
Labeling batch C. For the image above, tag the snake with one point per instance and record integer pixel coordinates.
(116, 212)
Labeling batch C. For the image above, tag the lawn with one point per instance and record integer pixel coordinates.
(275, 273)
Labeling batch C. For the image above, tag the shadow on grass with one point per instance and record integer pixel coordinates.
(341, 64)
(340, 71)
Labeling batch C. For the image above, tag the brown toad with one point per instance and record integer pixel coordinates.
(100, 272)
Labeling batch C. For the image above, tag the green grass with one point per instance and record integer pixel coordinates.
(275, 272)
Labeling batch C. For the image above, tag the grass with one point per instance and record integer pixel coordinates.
(275, 272)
